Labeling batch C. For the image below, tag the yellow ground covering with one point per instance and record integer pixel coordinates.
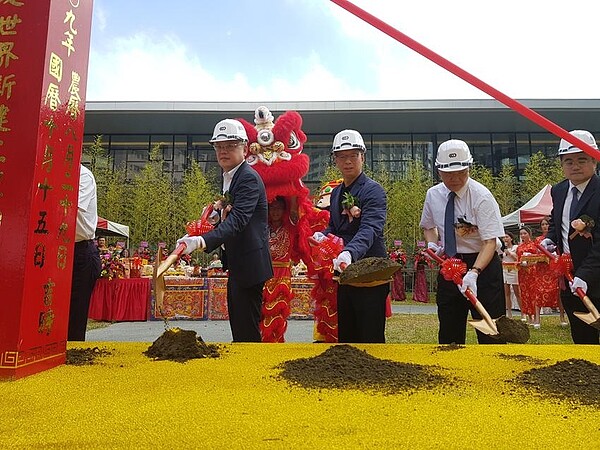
(129, 401)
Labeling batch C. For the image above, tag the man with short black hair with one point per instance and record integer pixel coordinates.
(577, 198)
(243, 230)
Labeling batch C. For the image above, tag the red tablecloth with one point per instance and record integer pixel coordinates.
(120, 300)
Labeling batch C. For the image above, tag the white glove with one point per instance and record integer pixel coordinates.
(343, 258)
(437, 249)
(578, 283)
(318, 236)
(191, 243)
(469, 281)
(548, 245)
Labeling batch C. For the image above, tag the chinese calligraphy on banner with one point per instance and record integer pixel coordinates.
(44, 48)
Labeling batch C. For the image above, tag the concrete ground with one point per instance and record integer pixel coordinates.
(216, 330)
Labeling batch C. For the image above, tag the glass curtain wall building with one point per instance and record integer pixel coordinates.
(395, 132)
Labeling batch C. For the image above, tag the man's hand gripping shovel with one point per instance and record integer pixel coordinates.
(453, 270)
(563, 265)
(195, 228)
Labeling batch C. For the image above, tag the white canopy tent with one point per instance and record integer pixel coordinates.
(532, 212)
(107, 228)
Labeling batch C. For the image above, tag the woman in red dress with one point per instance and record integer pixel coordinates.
(420, 292)
(539, 285)
(398, 293)
(544, 226)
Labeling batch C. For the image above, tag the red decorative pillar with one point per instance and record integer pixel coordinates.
(44, 50)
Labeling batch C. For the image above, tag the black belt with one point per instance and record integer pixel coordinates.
(465, 255)
(86, 242)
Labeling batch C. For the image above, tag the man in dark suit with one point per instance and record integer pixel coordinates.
(578, 197)
(243, 231)
(357, 215)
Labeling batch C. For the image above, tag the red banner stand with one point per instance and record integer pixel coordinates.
(44, 51)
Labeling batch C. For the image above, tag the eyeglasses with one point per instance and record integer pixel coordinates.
(349, 156)
(581, 161)
(226, 147)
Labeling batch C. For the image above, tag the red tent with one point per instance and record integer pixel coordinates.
(533, 211)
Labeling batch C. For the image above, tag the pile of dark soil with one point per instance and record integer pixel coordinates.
(368, 270)
(522, 358)
(574, 379)
(512, 330)
(180, 345)
(346, 367)
(85, 356)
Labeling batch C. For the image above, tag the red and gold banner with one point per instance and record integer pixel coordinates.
(44, 51)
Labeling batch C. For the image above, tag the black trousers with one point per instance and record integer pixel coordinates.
(453, 307)
(86, 270)
(361, 313)
(244, 307)
(581, 332)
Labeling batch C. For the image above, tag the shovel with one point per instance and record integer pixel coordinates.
(158, 278)
(510, 331)
(563, 265)
(195, 228)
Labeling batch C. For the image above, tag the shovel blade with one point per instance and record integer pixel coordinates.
(484, 327)
(588, 318)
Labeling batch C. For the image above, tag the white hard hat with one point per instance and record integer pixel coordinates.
(453, 155)
(565, 147)
(229, 130)
(347, 140)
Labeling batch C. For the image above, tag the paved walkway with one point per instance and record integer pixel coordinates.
(216, 330)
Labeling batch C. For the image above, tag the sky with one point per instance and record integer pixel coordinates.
(313, 50)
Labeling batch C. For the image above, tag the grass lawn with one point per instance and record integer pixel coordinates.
(423, 329)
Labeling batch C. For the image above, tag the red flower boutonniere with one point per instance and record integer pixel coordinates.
(351, 207)
(583, 227)
(224, 203)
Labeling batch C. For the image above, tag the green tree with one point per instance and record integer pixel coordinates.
(95, 155)
(540, 171)
(110, 185)
(405, 204)
(152, 208)
(505, 189)
(331, 173)
(482, 174)
(196, 191)
(113, 195)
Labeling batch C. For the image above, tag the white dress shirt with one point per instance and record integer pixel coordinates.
(474, 203)
(87, 206)
(566, 220)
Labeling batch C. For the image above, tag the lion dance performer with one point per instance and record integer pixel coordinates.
(275, 152)
(325, 290)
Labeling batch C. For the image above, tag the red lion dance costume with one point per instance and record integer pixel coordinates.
(275, 152)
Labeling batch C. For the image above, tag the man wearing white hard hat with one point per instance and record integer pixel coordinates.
(461, 219)
(576, 201)
(357, 214)
(243, 232)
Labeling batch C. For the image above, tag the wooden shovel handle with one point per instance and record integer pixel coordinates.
(580, 293)
(169, 260)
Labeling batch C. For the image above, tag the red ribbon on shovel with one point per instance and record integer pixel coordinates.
(563, 265)
(453, 269)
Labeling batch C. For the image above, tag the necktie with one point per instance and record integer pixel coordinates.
(449, 233)
(574, 203)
